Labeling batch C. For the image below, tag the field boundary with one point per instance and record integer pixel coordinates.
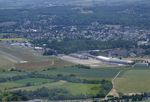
(113, 91)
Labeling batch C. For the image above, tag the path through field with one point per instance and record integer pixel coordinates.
(113, 91)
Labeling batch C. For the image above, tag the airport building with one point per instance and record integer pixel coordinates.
(114, 60)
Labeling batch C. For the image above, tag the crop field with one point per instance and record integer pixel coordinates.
(22, 83)
(74, 88)
(133, 81)
(94, 73)
(33, 81)
(31, 84)
(9, 85)
(9, 74)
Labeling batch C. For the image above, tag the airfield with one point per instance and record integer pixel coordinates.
(20, 61)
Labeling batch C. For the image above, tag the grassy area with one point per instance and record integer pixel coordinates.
(31, 84)
(5, 64)
(23, 82)
(25, 54)
(73, 88)
(33, 81)
(8, 74)
(50, 63)
(9, 85)
(36, 61)
(132, 81)
(13, 39)
(96, 73)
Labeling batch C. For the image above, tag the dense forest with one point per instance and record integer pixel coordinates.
(131, 15)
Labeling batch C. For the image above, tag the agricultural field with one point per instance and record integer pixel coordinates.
(94, 73)
(9, 74)
(23, 82)
(49, 79)
(33, 81)
(133, 81)
(73, 88)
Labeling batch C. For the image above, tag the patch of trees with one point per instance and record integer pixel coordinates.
(131, 98)
(9, 97)
(82, 66)
(70, 46)
(49, 94)
(63, 94)
(14, 78)
(106, 86)
(49, 52)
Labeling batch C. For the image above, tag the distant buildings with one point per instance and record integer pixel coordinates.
(114, 60)
(141, 65)
(80, 56)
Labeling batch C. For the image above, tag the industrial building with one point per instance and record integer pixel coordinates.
(78, 56)
(114, 60)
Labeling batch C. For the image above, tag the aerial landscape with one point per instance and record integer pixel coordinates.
(75, 50)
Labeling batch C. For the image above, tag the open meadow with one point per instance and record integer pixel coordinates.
(93, 73)
(133, 81)
(13, 56)
(5, 63)
(73, 88)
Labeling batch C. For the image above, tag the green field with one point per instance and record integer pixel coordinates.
(9, 85)
(31, 84)
(13, 39)
(133, 81)
(8, 74)
(23, 82)
(74, 88)
(95, 73)
(33, 81)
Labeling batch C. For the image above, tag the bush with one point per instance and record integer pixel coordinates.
(82, 66)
